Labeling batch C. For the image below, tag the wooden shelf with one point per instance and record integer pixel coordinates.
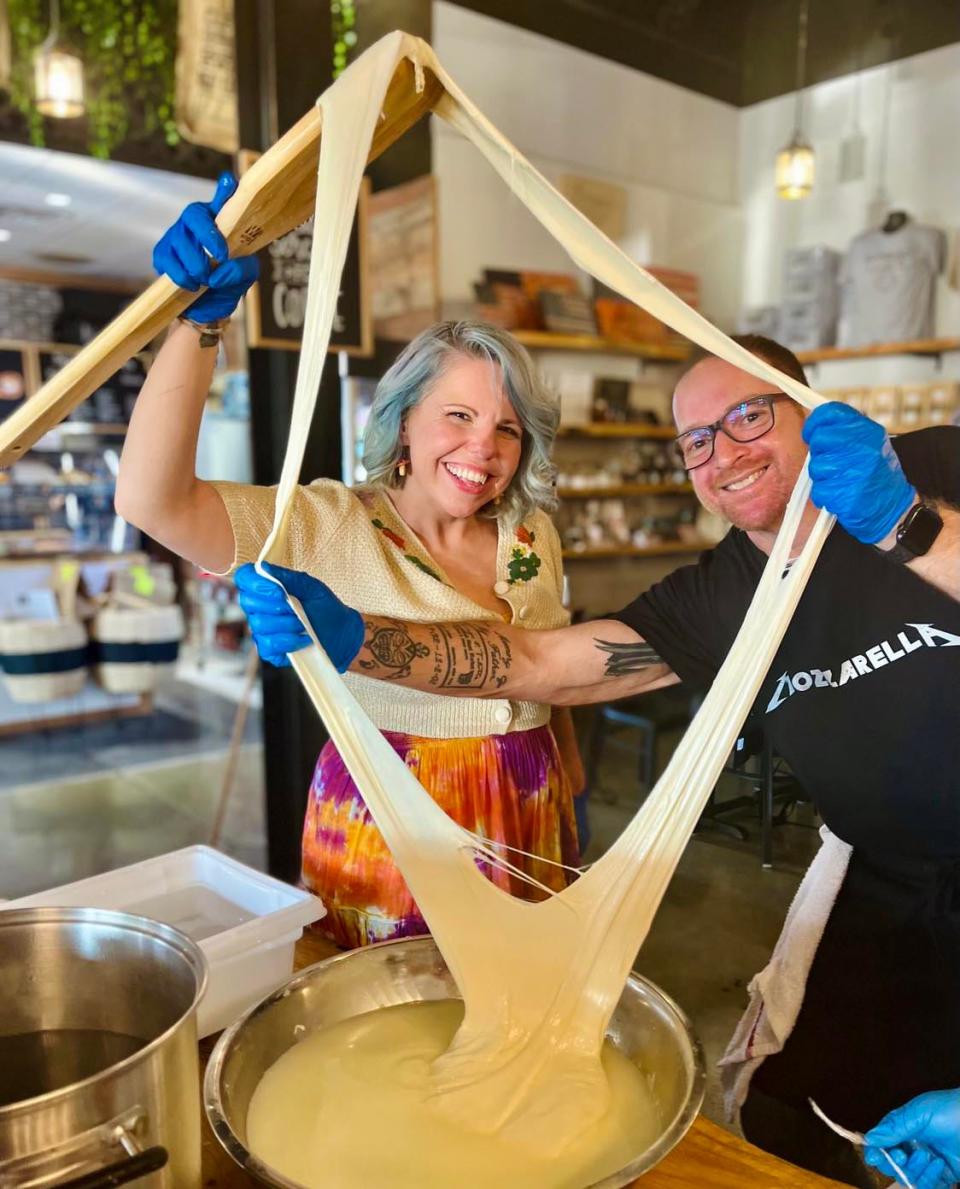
(81, 718)
(542, 340)
(618, 429)
(662, 550)
(615, 490)
(910, 347)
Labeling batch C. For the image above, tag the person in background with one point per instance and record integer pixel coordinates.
(451, 523)
(861, 700)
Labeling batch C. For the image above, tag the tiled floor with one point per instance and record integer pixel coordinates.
(80, 801)
(75, 808)
(55, 832)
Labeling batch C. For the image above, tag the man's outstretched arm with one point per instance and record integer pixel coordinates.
(590, 662)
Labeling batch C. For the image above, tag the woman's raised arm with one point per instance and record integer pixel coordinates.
(157, 489)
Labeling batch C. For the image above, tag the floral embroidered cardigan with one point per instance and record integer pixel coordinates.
(354, 540)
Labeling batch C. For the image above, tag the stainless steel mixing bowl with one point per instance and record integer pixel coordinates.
(647, 1026)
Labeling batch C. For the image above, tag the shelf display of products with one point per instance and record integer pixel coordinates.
(66, 494)
(60, 494)
(611, 524)
(639, 463)
(50, 673)
(622, 493)
(903, 407)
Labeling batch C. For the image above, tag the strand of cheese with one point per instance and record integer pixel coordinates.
(539, 980)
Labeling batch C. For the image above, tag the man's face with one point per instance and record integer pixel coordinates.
(747, 482)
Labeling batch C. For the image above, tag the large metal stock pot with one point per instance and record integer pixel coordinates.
(646, 1025)
(99, 1072)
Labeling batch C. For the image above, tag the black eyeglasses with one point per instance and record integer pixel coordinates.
(745, 422)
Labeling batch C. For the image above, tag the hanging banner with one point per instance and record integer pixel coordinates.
(206, 75)
(275, 306)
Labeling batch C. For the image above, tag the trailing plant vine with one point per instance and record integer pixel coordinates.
(128, 48)
(343, 22)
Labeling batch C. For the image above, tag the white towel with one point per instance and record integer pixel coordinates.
(776, 993)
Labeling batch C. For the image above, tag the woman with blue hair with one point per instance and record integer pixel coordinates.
(452, 523)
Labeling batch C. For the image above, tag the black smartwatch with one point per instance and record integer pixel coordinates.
(917, 532)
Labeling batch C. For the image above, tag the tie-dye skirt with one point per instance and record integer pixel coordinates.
(510, 789)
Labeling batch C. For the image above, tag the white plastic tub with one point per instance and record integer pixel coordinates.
(246, 923)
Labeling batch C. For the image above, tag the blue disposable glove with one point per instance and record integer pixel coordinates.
(924, 1139)
(275, 627)
(193, 253)
(855, 471)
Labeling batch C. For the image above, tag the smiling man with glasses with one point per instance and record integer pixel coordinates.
(743, 448)
(862, 700)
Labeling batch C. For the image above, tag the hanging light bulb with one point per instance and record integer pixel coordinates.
(58, 75)
(796, 167)
(795, 162)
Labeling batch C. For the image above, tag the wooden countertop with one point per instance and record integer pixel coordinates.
(707, 1157)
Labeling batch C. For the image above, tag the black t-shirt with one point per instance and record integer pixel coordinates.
(863, 696)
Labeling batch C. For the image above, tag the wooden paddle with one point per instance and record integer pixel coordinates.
(275, 195)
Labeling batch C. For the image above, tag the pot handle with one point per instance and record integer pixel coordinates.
(47, 1169)
(130, 1168)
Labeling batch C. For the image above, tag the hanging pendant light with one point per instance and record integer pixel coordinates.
(58, 75)
(795, 162)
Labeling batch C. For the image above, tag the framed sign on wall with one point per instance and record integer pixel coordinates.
(275, 307)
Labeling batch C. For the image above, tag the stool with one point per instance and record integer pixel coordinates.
(662, 710)
(755, 761)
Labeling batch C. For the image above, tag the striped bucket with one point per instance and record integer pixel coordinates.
(43, 659)
(133, 647)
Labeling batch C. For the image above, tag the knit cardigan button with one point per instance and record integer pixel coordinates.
(503, 714)
(501, 587)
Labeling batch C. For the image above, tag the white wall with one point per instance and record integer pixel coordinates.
(922, 174)
(568, 111)
(698, 173)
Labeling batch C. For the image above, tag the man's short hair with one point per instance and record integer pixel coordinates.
(769, 350)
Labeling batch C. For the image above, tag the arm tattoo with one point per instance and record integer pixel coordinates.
(392, 648)
(461, 655)
(627, 658)
(469, 656)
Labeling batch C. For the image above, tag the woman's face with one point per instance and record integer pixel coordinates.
(463, 439)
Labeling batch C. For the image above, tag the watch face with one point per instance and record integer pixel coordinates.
(919, 530)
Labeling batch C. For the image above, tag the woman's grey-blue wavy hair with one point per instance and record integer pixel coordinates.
(420, 365)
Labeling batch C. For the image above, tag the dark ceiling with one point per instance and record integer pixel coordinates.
(740, 51)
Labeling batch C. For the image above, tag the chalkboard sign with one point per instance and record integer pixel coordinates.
(276, 305)
(13, 380)
(112, 403)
